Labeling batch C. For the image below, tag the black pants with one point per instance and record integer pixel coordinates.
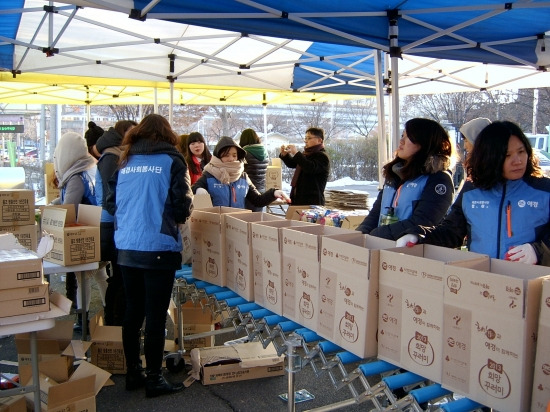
(115, 301)
(148, 293)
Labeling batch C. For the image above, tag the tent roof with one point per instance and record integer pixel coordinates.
(92, 43)
(95, 54)
(79, 90)
(489, 31)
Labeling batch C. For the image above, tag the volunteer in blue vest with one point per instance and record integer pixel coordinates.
(225, 180)
(148, 196)
(418, 187)
(505, 212)
(75, 170)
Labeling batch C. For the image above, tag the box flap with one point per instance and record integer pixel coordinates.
(253, 354)
(202, 201)
(56, 218)
(86, 369)
(89, 215)
(71, 391)
(77, 349)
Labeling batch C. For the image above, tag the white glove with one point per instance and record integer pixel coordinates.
(201, 191)
(406, 240)
(279, 194)
(522, 253)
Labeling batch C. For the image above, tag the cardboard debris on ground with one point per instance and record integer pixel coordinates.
(222, 364)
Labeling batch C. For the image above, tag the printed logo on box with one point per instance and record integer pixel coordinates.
(211, 268)
(494, 380)
(271, 292)
(349, 330)
(307, 310)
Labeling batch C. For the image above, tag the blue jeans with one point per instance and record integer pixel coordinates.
(148, 293)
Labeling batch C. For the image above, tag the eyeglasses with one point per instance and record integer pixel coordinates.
(308, 137)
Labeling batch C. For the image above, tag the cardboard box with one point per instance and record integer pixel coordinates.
(59, 306)
(26, 235)
(541, 381)
(195, 320)
(107, 350)
(352, 221)
(208, 243)
(410, 320)
(50, 342)
(274, 177)
(301, 269)
(348, 307)
(267, 259)
(294, 212)
(77, 394)
(25, 300)
(16, 207)
(238, 248)
(491, 318)
(52, 191)
(59, 368)
(13, 404)
(76, 240)
(232, 363)
(20, 268)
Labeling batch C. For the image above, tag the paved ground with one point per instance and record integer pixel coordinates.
(245, 396)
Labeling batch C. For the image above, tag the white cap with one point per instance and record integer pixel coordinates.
(471, 129)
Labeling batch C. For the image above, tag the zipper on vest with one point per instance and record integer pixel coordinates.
(500, 209)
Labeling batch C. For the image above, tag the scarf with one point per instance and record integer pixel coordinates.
(227, 172)
(307, 151)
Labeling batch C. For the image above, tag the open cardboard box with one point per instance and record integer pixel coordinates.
(76, 239)
(348, 308)
(195, 320)
(244, 361)
(267, 259)
(208, 243)
(301, 266)
(238, 248)
(107, 349)
(410, 319)
(78, 393)
(491, 317)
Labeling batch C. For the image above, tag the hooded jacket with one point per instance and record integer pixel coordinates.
(75, 170)
(149, 196)
(421, 201)
(257, 160)
(236, 192)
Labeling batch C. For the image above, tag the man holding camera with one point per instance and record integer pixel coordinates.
(312, 169)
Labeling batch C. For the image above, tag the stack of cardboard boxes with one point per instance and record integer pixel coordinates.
(22, 287)
(17, 216)
(454, 317)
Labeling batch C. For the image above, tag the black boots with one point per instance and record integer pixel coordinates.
(135, 377)
(156, 385)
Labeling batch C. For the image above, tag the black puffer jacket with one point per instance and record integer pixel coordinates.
(257, 160)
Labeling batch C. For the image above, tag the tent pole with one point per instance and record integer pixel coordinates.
(265, 127)
(382, 136)
(395, 53)
(156, 107)
(171, 109)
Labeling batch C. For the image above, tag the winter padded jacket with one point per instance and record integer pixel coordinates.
(255, 167)
(421, 201)
(493, 221)
(149, 197)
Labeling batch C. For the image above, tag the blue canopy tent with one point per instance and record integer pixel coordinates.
(336, 47)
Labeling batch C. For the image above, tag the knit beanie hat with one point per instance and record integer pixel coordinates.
(471, 129)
